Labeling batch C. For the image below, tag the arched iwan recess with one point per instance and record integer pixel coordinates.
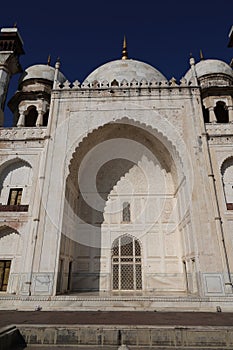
(147, 170)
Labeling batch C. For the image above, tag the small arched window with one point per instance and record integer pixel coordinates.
(31, 116)
(126, 212)
(15, 186)
(221, 112)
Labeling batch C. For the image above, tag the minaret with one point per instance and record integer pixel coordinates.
(11, 47)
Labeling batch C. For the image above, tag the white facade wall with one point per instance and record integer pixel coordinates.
(145, 145)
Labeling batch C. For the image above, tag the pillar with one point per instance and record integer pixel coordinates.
(230, 114)
(39, 121)
(212, 115)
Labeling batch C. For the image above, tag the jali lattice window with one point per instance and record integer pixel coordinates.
(15, 196)
(126, 264)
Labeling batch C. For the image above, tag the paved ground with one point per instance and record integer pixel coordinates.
(117, 317)
(110, 348)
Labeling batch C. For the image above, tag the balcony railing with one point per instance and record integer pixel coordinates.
(20, 207)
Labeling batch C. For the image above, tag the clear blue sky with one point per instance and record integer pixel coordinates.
(86, 34)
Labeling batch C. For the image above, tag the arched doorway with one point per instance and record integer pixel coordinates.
(126, 264)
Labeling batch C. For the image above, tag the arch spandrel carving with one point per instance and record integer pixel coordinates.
(158, 126)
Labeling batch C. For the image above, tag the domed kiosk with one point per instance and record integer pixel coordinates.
(210, 70)
(213, 76)
(39, 72)
(31, 102)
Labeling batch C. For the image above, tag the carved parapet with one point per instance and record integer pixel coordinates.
(66, 84)
(173, 82)
(76, 84)
(219, 129)
(117, 88)
(105, 84)
(14, 134)
(133, 84)
(144, 83)
(125, 83)
(85, 84)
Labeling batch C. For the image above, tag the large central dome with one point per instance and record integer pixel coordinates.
(125, 69)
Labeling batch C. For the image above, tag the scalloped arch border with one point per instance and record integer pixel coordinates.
(175, 141)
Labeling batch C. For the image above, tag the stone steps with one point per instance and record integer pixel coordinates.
(110, 337)
(136, 337)
(116, 303)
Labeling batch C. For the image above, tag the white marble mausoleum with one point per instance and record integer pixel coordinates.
(118, 188)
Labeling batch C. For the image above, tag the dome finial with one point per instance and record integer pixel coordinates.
(124, 50)
(201, 55)
(49, 60)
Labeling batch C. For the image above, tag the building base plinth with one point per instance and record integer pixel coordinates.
(115, 303)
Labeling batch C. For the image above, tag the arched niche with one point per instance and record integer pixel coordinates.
(221, 112)
(31, 116)
(15, 184)
(100, 162)
(227, 180)
(10, 248)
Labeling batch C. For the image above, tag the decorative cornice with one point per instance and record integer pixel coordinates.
(122, 84)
